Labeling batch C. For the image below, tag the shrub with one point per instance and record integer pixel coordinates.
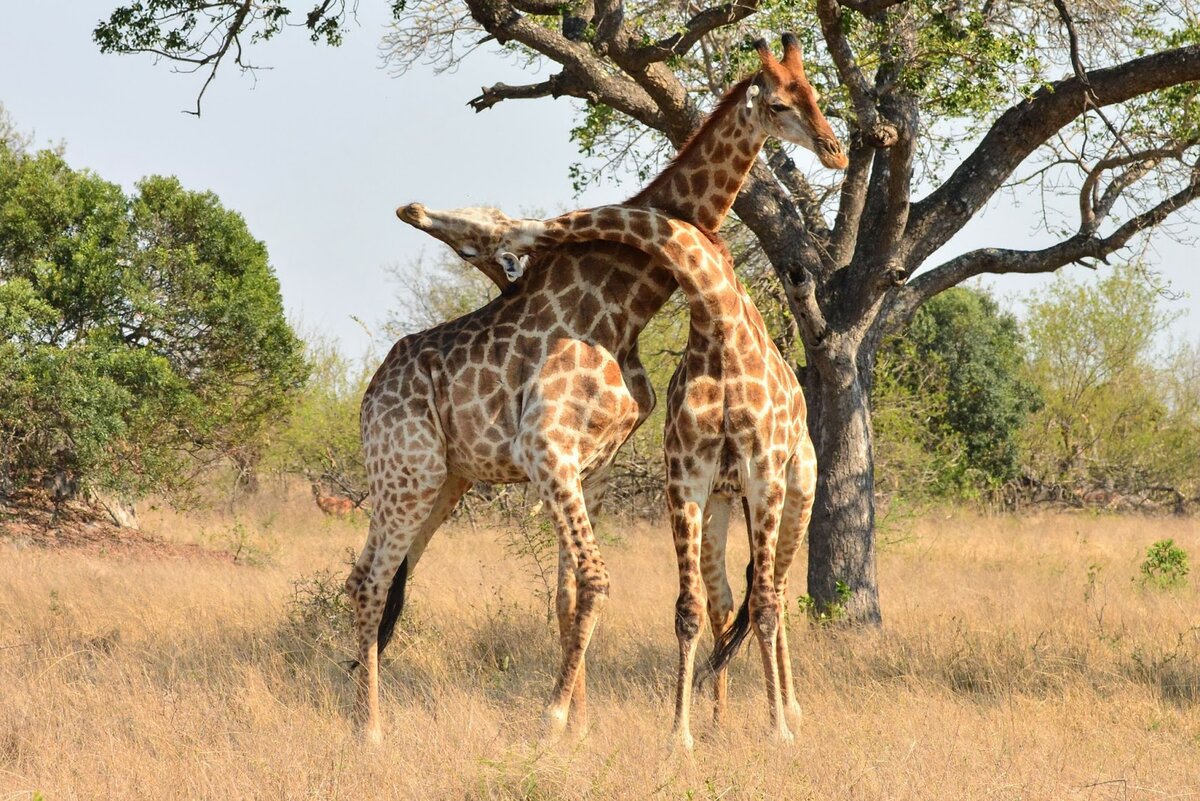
(1165, 566)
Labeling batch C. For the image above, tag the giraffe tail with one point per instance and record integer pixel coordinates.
(393, 606)
(731, 639)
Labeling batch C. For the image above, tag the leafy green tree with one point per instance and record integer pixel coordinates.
(140, 336)
(950, 397)
(1116, 413)
(945, 105)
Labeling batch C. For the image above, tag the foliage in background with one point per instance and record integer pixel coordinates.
(320, 439)
(141, 336)
(949, 399)
(1117, 413)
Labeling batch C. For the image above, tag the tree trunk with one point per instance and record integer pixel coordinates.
(841, 549)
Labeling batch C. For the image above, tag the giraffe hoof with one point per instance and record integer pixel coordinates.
(554, 723)
(373, 736)
(682, 741)
(784, 735)
(795, 715)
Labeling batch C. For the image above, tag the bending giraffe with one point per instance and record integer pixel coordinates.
(544, 383)
(735, 427)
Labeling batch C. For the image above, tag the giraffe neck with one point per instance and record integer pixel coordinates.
(702, 181)
(699, 266)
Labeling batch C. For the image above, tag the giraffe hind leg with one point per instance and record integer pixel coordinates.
(766, 497)
(797, 510)
(397, 520)
(447, 498)
(716, 590)
(727, 645)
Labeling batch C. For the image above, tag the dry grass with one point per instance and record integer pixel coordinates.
(1020, 660)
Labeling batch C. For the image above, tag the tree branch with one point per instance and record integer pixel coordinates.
(876, 131)
(557, 86)
(869, 8)
(1095, 205)
(784, 169)
(1021, 130)
(1081, 72)
(1076, 249)
(850, 206)
(501, 20)
(697, 28)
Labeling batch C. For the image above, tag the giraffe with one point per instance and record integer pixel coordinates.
(735, 427)
(544, 383)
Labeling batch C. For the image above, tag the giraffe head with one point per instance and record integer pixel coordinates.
(785, 104)
(475, 234)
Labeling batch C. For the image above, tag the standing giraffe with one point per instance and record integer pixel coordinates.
(543, 385)
(735, 427)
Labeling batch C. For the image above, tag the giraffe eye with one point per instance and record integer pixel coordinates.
(778, 108)
(468, 252)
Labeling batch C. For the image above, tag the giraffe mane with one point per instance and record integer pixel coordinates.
(727, 102)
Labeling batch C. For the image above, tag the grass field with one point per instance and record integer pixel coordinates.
(1020, 659)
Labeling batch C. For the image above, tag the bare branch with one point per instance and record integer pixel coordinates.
(784, 168)
(1081, 72)
(801, 290)
(557, 86)
(1094, 206)
(1076, 249)
(1021, 130)
(502, 21)
(850, 206)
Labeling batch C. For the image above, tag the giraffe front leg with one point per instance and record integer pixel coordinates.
(716, 588)
(687, 533)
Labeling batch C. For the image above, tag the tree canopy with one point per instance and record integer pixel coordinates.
(140, 335)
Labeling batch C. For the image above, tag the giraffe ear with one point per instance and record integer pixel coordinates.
(514, 266)
(751, 93)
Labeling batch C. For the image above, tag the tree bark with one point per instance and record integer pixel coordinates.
(841, 538)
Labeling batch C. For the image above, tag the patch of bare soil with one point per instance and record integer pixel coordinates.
(30, 518)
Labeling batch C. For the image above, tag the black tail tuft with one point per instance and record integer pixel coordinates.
(393, 606)
(733, 637)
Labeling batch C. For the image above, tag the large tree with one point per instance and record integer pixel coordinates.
(140, 335)
(1093, 99)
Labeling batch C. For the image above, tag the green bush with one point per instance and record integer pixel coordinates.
(1165, 566)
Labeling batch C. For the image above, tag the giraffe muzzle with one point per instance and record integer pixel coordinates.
(414, 214)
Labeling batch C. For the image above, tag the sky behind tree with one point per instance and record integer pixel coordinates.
(317, 152)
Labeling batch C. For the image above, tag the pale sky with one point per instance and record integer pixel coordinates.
(317, 152)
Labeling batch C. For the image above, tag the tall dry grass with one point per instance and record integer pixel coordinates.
(1020, 659)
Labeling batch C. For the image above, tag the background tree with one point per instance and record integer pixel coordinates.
(319, 438)
(951, 398)
(1118, 413)
(140, 336)
(1102, 107)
